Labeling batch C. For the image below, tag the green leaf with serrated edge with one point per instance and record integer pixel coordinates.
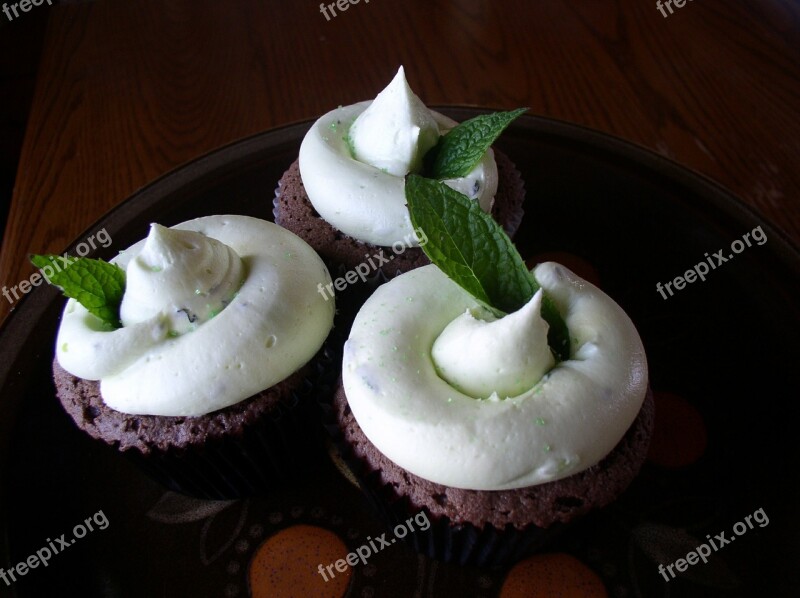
(462, 147)
(95, 284)
(470, 247)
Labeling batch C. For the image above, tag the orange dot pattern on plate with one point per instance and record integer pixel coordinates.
(287, 564)
(679, 437)
(577, 264)
(556, 575)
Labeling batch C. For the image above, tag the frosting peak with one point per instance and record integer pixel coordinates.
(273, 321)
(396, 131)
(182, 274)
(354, 159)
(495, 358)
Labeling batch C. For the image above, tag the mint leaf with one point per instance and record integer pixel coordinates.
(461, 148)
(470, 247)
(95, 284)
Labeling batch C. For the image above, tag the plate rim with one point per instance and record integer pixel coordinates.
(22, 320)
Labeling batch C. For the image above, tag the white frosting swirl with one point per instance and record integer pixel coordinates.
(183, 274)
(568, 421)
(396, 131)
(364, 197)
(492, 358)
(252, 287)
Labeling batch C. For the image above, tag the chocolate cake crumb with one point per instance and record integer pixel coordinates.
(295, 212)
(543, 504)
(83, 402)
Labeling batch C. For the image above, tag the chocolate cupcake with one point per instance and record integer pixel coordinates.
(344, 195)
(509, 523)
(447, 409)
(209, 381)
(240, 451)
(294, 211)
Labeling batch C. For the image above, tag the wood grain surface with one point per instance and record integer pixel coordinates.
(127, 91)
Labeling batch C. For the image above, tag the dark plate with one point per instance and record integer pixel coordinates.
(727, 346)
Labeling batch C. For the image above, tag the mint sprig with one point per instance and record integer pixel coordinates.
(470, 247)
(461, 148)
(95, 284)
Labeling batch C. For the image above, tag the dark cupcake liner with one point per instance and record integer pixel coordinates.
(459, 543)
(282, 447)
(487, 545)
(463, 544)
(514, 187)
(348, 301)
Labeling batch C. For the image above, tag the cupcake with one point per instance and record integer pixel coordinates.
(344, 194)
(206, 378)
(501, 433)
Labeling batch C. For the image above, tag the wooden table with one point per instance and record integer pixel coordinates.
(129, 90)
